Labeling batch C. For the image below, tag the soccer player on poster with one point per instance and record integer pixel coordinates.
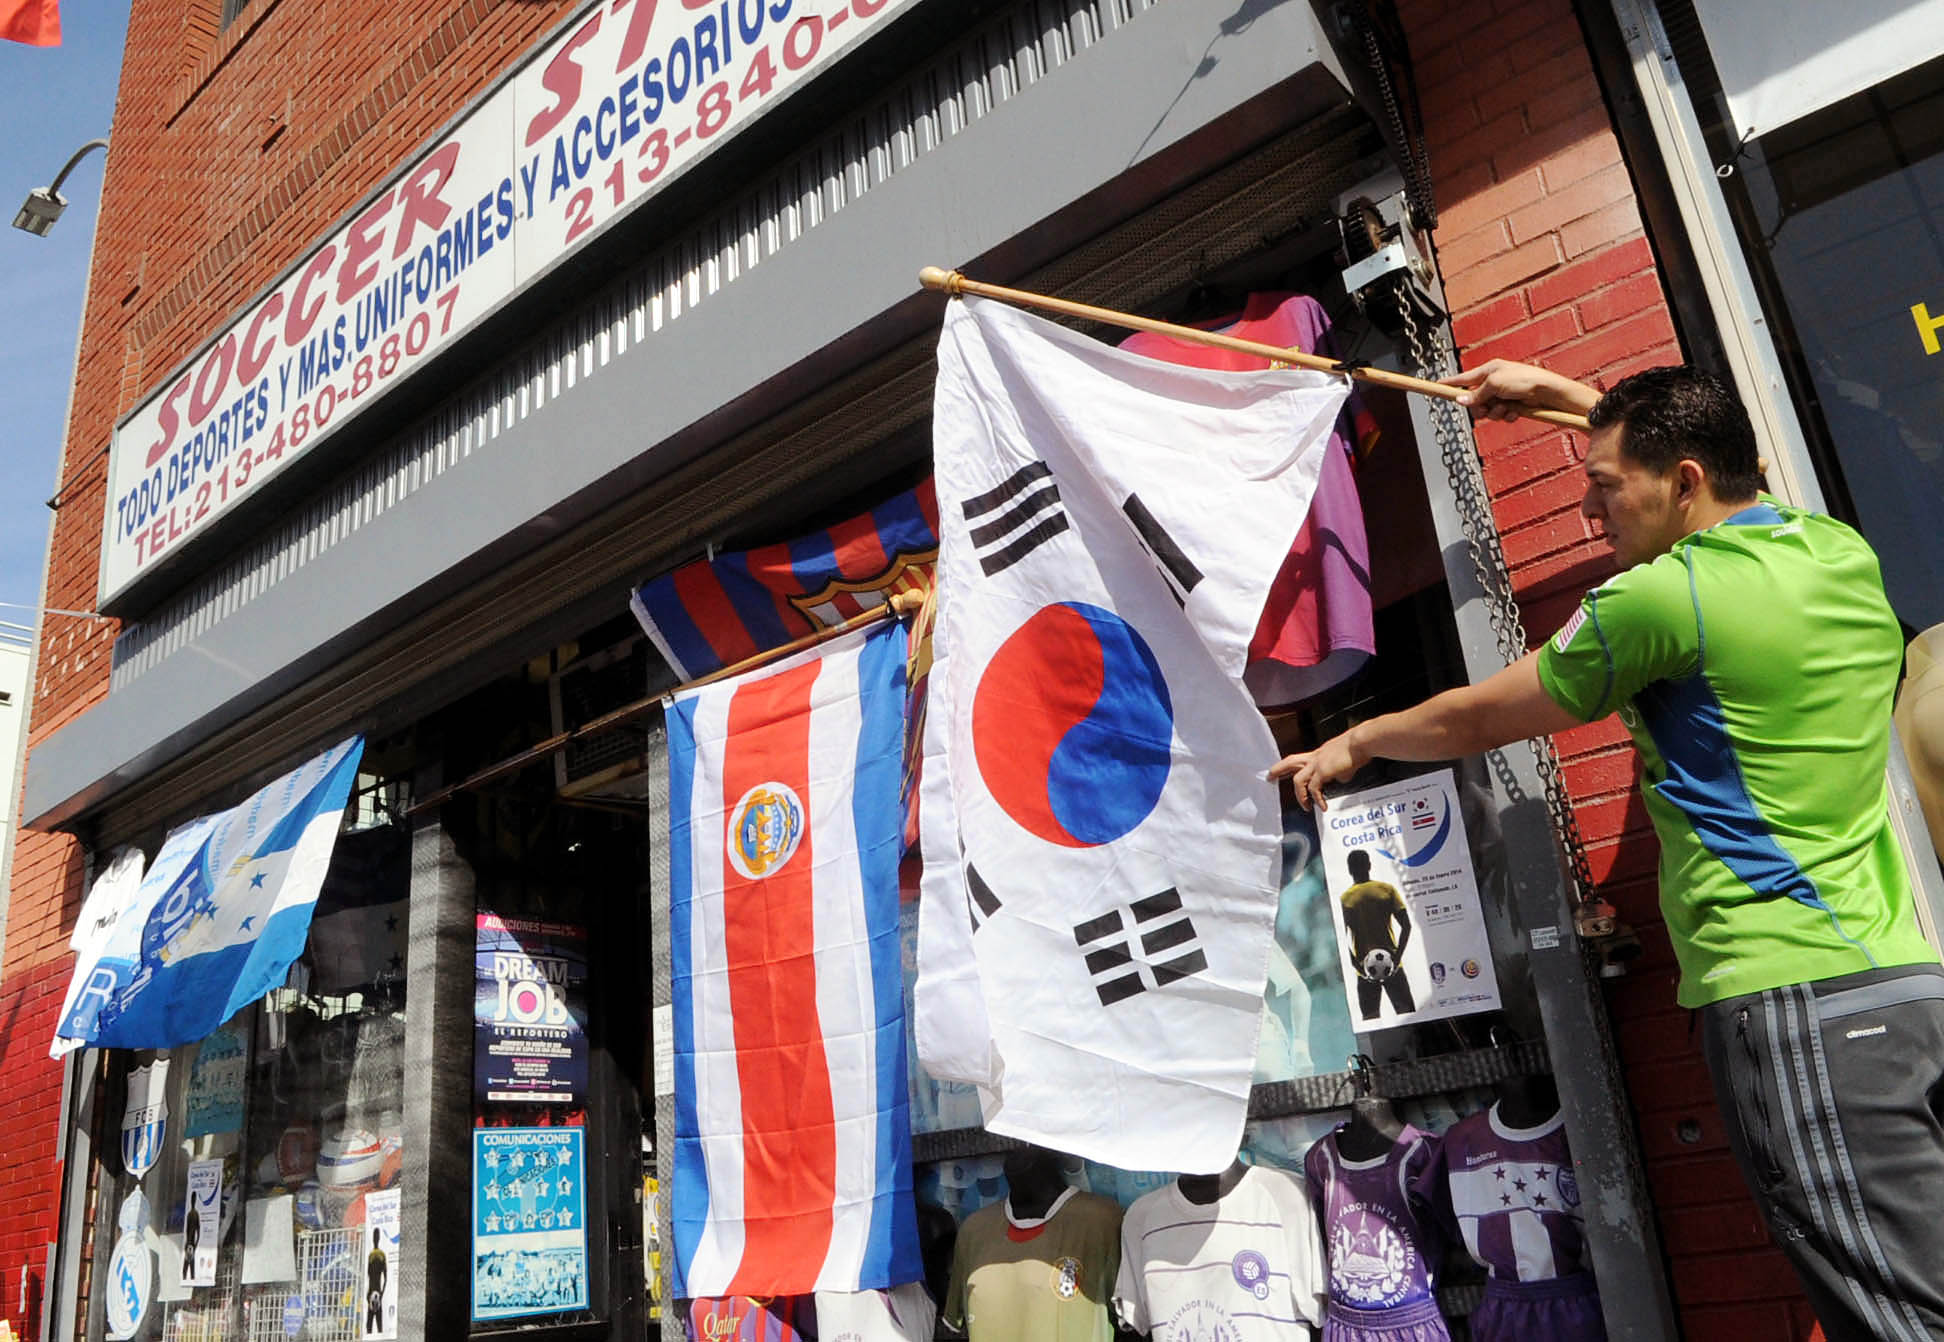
(1379, 926)
(1749, 649)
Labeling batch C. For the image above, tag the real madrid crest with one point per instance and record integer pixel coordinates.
(765, 827)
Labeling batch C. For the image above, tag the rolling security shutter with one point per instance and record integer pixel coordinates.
(854, 428)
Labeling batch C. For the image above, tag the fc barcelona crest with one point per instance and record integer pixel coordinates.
(145, 1120)
(841, 599)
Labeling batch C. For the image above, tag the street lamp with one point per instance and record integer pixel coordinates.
(45, 203)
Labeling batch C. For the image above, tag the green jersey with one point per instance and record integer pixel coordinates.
(1049, 1280)
(1754, 665)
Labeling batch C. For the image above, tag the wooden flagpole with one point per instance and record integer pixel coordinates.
(951, 283)
(897, 606)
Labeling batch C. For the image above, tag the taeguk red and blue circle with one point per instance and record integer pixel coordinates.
(1072, 726)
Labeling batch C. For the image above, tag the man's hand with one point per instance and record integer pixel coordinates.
(1509, 705)
(1309, 771)
(1501, 389)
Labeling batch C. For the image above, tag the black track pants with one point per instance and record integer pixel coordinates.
(1832, 1094)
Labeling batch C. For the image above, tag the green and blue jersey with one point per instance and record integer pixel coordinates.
(1754, 665)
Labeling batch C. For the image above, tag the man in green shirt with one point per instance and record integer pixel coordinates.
(1749, 650)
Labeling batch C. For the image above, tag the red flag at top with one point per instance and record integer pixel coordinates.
(35, 22)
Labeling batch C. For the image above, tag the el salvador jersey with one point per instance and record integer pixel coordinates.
(1246, 1266)
(1383, 1244)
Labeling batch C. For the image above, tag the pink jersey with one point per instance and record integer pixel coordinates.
(1515, 1197)
(1317, 626)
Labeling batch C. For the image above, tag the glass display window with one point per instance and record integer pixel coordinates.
(251, 1181)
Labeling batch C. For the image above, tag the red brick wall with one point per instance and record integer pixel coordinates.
(232, 152)
(1544, 259)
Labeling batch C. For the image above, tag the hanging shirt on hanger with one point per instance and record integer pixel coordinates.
(1192, 1270)
(902, 1314)
(1047, 1278)
(1316, 629)
(1517, 1204)
(743, 1318)
(1382, 1239)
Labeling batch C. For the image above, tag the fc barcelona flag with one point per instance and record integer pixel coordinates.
(792, 1128)
(715, 612)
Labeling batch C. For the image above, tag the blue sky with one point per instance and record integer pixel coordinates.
(52, 100)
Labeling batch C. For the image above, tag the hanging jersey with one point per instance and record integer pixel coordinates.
(902, 1314)
(1515, 1197)
(1316, 628)
(744, 1318)
(1382, 1242)
(1249, 1265)
(1048, 1280)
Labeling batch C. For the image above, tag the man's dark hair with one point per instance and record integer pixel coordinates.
(1679, 411)
(1359, 863)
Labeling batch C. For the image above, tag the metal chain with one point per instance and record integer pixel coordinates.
(1412, 158)
(1435, 358)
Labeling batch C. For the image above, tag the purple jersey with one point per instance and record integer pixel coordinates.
(1382, 1241)
(1515, 1197)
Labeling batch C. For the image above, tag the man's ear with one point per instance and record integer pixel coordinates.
(1689, 478)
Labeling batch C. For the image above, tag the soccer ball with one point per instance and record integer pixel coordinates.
(1378, 964)
(296, 1153)
(350, 1158)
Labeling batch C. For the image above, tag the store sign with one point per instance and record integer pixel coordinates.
(529, 1011)
(590, 127)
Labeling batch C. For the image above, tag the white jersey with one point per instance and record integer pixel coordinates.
(902, 1314)
(1248, 1266)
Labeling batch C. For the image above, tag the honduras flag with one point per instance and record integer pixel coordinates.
(226, 908)
(792, 1121)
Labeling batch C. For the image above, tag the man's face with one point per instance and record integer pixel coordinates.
(1634, 506)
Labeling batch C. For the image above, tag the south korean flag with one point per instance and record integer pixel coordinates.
(1101, 840)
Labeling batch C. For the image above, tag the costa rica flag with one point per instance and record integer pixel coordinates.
(792, 1162)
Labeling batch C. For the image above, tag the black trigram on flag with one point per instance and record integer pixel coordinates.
(1175, 566)
(1016, 517)
(981, 903)
(1167, 948)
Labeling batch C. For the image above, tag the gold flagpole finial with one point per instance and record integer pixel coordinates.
(949, 282)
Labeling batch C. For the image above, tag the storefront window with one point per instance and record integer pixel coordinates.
(252, 1187)
(1841, 215)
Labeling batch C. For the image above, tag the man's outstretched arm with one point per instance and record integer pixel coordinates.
(1511, 705)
